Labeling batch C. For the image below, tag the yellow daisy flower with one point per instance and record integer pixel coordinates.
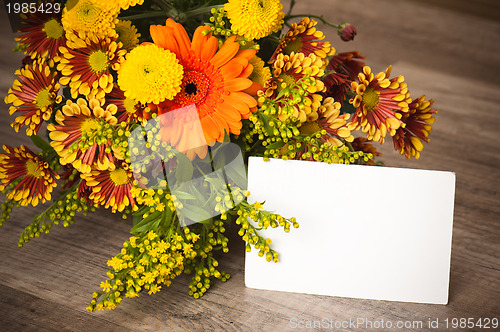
(150, 74)
(259, 76)
(80, 135)
(255, 19)
(37, 179)
(86, 66)
(379, 103)
(111, 188)
(304, 38)
(34, 95)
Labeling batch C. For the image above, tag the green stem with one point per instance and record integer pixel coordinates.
(145, 15)
(292, 4)
(314, 16)
(198, 11)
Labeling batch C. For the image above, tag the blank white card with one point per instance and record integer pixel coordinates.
(365, 232)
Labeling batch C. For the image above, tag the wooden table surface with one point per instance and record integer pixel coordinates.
(449, 50)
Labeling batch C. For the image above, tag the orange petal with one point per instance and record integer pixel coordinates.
(253, 89)
(226, 52)
(246, 54)
(210, 128)
(246, 98)
(247, 71)
(222, 123)
(233, 68)
(162, 36)
(237, 84)
(230, 109)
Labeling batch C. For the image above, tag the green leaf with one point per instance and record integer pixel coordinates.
(194, 213)
(146, 223)
(41, 143)
(184, 170)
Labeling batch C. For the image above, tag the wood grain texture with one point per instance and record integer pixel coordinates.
(449, 52)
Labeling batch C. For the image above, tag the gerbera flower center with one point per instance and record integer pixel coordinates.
(53, 29)
(194, 88)
(294, 45)
(43, 98)
(33, 169)
(119, 176)
(98, 61)
(370, 99)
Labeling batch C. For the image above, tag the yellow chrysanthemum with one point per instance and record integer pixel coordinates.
(89, 18)
(150, 74)
(127, 35)
(125, 4)
(259, 76)
(255, 19)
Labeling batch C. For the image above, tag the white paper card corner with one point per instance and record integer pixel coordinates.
(365, 232)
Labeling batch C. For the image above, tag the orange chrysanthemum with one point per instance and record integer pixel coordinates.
(86, 66)
(111, 188)
(37, 179)
(304, 38)
(214, 80)
(379, 103)
(43, 35)
(418, 121)
(80, 135)
(34, 95)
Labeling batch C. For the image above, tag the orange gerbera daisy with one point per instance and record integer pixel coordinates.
(34, 95)
(37, 179)
(80, 135)
(214, 80)
(111, 188)
(379, 103)
(418, 120)
(43, 35)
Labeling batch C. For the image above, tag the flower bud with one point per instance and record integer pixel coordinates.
(347, 32)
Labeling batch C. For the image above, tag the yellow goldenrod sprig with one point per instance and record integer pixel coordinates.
(63, 210)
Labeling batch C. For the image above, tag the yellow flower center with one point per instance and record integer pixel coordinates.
(119, 176)
(33, 169)
(370, 99)
(86, 12)
(309, 128)
(285, 78)
(53, 29)
(89, 125)
(129, 105)
(294, 45)
(43, 98)
(98, 61)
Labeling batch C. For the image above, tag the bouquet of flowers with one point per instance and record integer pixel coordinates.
(150, 108)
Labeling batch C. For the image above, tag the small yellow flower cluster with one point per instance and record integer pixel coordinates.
(62, 211)
(264, 219)
(144, 263)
